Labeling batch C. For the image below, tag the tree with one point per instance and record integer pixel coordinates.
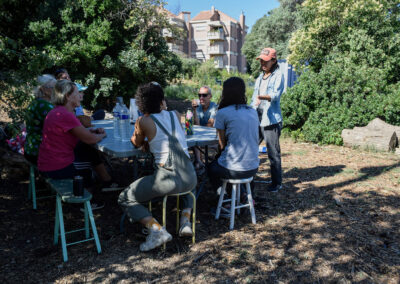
(112, 46)
(349, 52)
(272, 30)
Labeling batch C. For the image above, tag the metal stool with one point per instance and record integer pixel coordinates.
(164, 214)
(235, 200)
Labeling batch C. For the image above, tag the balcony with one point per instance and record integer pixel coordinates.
(219, 62)
(167, 33)
(215, 24)
(216, 50)
(216, 35)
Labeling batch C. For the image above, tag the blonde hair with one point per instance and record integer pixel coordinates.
(62, 89)
(45, 81)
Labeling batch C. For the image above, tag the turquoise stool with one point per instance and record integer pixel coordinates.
(64, 189)
(32, 186)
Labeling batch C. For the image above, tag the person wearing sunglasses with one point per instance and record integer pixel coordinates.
(204, 112)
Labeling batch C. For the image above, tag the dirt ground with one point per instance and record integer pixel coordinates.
(337, 219)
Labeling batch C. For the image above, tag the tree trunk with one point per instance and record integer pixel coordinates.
(376, 135)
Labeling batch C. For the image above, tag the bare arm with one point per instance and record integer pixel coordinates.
(88, 136)
(138, 136)
(210, 122)
(221, 138)
(265, 97)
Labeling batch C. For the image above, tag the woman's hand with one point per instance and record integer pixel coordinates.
(97, 130)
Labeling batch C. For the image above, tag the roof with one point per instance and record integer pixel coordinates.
(207, 15)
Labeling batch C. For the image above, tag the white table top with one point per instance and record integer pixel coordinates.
(202, 136)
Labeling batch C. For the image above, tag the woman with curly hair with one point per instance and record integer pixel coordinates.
(237, 128)
(161, 132)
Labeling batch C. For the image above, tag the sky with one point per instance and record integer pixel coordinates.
(253, 9)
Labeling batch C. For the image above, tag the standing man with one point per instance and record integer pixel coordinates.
(266, 99)
(204, 112)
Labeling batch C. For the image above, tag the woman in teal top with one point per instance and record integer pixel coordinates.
(35, 115)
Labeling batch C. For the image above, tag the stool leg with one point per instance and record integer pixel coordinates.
(33, 187)
(251, 203)
(164, 216)
(238, 198)
(177, 214)
(56, 226)
(62, 231)
(194, 218)
(94, 230)
(121, 223)
(30, 183)
(150, 206)
(233, 202)
(86, 221)
(221, 199)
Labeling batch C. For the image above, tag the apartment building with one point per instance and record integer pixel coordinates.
(209, 35)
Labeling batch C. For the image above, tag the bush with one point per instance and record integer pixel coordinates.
(207, 75)
(342, 95)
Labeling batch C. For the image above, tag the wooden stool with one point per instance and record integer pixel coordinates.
(64, 191)
(164, 214)
(235, 200)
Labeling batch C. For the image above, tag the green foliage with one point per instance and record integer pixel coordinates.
(112, 46)
(272, 30)
(351, 53)
(189, 67)
(208, 75)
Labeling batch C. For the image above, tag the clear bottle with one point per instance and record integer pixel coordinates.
(116, 114)
(124, 124)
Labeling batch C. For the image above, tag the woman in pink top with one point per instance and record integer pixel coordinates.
(61, 133)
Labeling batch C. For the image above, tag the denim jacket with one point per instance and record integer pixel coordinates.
(271, 111)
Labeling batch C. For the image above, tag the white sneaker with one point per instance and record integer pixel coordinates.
(186, 230)
(155, 239)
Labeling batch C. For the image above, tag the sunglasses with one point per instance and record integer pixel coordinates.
(203, 95)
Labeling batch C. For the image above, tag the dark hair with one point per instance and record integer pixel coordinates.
(149, 98)
(233, 92)
(59, 72)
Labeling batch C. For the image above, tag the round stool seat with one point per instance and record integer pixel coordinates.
(236, 181)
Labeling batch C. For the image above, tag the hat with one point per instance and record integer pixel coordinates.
(80, 87)
(45, 78)
(267, 54)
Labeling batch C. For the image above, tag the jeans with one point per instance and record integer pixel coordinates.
(271, 137)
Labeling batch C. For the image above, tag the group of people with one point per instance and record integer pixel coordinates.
(240, 128)
(55, 133)
(57, 142)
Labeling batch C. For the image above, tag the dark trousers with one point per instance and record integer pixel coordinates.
(271, 137)
(216, 172)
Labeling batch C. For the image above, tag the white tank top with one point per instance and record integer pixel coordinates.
(159, 145)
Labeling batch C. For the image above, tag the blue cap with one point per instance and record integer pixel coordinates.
(80, 87)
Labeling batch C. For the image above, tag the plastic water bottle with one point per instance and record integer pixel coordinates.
(133, 111)
(124, 125)
(116, 113)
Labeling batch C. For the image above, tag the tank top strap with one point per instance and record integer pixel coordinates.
(162, 126)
